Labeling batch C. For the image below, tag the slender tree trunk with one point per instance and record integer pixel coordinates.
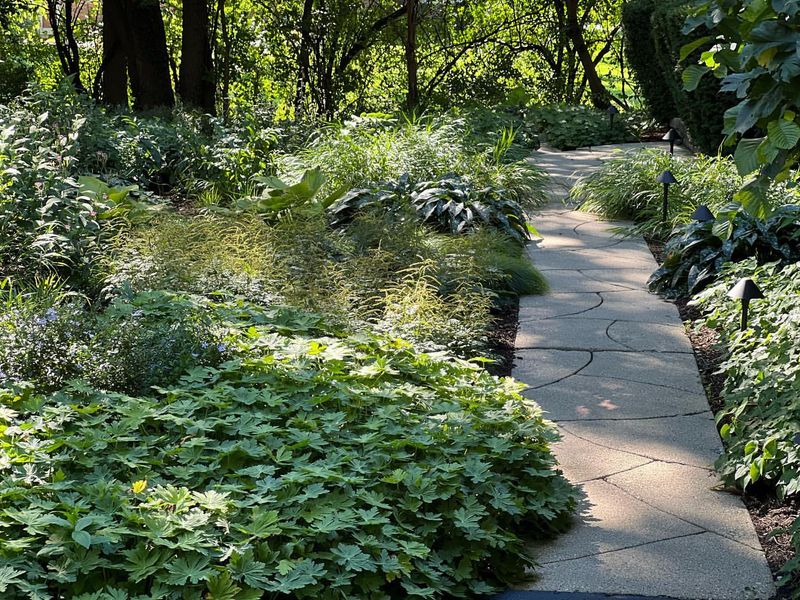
(412, 97)
(64, 38)
(115, 55)
(600, 96)
(196, 84)
(149, 67)
(226, 62)
(303, 58)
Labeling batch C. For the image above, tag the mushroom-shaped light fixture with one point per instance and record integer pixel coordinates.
(745, 290)
(672, 136)
(612, 111)
(703, 214)
(666, 178)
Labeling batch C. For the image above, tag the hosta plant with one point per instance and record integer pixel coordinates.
(450, 204)
(308, 465)
(698, 250)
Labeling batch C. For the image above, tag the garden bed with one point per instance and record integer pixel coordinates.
(767, 513)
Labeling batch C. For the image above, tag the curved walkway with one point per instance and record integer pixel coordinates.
(612, 366)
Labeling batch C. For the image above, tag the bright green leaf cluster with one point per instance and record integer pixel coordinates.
(756, 54)
(309, 464)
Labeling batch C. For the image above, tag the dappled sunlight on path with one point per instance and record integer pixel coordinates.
(611, 365)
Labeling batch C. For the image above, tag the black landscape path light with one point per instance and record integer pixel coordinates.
(702, 214)
(667, 178)
(745, 290)
(611, 110)
(672, 136)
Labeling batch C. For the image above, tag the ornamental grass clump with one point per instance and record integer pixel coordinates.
(307, 464)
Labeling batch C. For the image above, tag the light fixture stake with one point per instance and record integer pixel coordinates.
(672, 136)
(611, 110)
(666, 178)
(745, 290)
(703, 214)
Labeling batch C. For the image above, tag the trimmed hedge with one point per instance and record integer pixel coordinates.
(654, 55)
(641, 55)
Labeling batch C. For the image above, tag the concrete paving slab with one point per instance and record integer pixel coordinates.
(647, 337)
(692, 567)
(638, 306)
(579, 397)
(582, 461)
(620, 379)
(567, 334)
(607, 520)
(542, 367)
(606, 258)
(690, 440)
(628, 277)
(557, 304)
(570, 280)
(675, 371)
(690, 496)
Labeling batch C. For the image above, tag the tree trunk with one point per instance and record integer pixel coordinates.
(226, 62)
(412, 97)
(64, 38)
(149, 67)
(600, 96)
(303, 58)
(196, 84)
(115, 55)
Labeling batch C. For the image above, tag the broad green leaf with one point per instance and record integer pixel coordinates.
(692, 75)
(783, 134)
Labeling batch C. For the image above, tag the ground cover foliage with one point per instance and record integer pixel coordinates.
(759, 423)
(217, 382)
(290, 461)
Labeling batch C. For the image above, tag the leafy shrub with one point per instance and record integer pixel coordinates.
(449, 204)
(50, 220)
(130, 347)
(308, 465)
(567, 127)
(697, 251)
(754, 52)
(703, 108)
(653, 41)
(761, 415)
(487, 125)
(365, 150)
(625, 188)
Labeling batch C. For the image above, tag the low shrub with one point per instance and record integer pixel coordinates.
(345, 274)
(697, 251)
(307, 464)
(365, 150)
(567, 127)
(51, 338)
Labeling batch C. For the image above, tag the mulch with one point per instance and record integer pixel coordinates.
(767, 512)
(503, 336)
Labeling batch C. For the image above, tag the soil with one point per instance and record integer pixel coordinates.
(503, 336)
(767, 512)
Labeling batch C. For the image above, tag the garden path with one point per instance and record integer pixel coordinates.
(612, 366)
